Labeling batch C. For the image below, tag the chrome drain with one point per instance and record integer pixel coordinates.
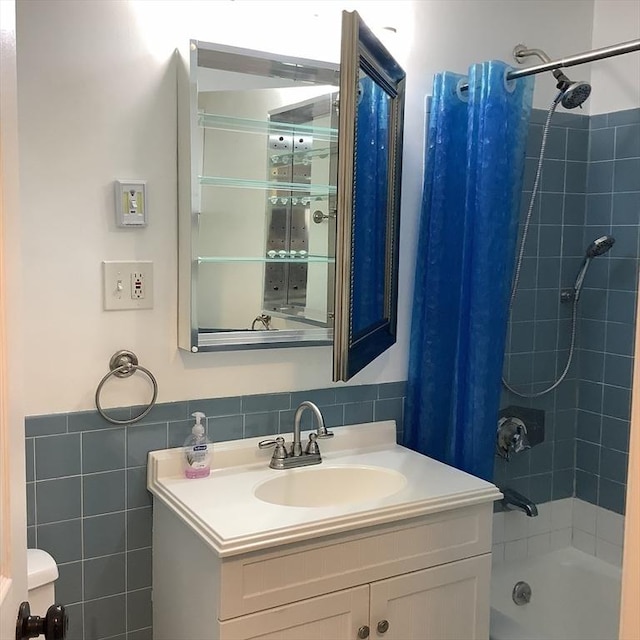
(521, 593)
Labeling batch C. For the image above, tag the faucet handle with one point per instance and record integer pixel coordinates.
(280, 453)
(312, 445)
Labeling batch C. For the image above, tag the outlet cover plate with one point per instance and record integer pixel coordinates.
(118, 285)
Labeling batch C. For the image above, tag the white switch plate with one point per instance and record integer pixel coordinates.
(131, 203)
(127, 285)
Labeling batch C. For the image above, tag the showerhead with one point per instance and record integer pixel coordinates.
(600, 246)
(573, 93)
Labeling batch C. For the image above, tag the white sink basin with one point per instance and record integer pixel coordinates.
(324, 486)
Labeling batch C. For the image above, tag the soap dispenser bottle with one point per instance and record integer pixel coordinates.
(197, 457)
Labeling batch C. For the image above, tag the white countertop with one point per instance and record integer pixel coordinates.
(223, 510)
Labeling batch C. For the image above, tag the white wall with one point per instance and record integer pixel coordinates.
(616, 81)
(97, 103)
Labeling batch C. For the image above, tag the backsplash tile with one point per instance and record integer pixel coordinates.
(63, 539)
(103, 492)
(45, 425)
(266, 402)
(104, 576)
(142, 439)
(103, 450)
(69, 584)
(29, 459)
(104, 617)
(103, 535)
(89, 420)
(139, 609)
(164, 412)
(57, 456)
(137, 494)
(216, 406)
(139, 568)
(219, 429)
(58, 499)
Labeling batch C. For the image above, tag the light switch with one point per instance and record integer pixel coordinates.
(127, 285)
(131, 203)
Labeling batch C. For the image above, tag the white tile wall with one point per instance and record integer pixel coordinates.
(562, 514)
(610, 527)
(562, 523)
(584, 541)
(539, 544)
(515, 550)
(584, 516)
(561, 538)
(611, 553)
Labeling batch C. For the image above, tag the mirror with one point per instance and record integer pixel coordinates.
(261, 218)
(258, 161)
(371, 118)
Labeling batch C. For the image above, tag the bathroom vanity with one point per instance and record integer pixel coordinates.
(376, 541)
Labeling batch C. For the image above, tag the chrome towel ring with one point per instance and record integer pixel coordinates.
(123, 364)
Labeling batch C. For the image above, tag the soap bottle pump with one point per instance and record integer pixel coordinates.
(197, 457)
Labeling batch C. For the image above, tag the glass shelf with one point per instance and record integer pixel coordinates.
(299, 156)
(266, 259)
(268, 185)
(246, 125)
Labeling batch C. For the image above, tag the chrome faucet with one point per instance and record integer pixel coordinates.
(514, 500)
(296, 447)
(296, 457)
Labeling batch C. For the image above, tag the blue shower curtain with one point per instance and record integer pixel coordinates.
(466, 246)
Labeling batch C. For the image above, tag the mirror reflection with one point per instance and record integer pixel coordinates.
(371, 199)
(267, 178)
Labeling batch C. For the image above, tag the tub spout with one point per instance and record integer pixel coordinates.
(514, 500)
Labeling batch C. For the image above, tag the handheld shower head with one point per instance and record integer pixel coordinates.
(598, 247)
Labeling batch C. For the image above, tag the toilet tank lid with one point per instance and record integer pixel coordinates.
(41, 568)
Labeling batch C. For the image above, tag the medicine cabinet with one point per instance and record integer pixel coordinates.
(289, 196)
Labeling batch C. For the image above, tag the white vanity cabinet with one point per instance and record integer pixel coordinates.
(411, 566)
(428, 578)
(448, 602)
(335, 615)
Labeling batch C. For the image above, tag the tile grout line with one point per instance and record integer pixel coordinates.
(82, 585)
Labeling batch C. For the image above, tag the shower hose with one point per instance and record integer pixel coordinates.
(516, 277)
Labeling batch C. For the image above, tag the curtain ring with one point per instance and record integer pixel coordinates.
(460, 92)
(509, 85)
(124, 364)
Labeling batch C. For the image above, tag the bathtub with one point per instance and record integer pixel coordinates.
(573, 596)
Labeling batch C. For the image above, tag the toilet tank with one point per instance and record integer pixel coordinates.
(42, 572)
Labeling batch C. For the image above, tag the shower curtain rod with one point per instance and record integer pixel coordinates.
(579, 58)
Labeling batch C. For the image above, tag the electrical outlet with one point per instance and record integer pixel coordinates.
(137, 285)
(127, 285)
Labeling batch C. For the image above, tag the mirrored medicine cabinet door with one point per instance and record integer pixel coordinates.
(289, 179)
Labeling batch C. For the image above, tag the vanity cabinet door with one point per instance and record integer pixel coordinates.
(337, 616)
(448, 602)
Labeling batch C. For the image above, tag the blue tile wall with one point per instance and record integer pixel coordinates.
(588, 415)
(89, 507)
(540, 328)
(606, 346)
